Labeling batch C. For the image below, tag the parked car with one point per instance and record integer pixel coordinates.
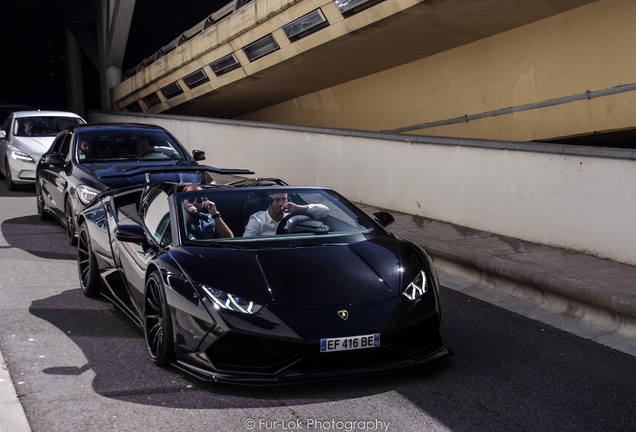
(24, 137)
(327, 295)
(88, 159)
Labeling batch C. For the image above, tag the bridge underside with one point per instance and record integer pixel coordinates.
(383, 36)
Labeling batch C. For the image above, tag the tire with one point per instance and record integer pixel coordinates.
(158, 322)
(43, 215)
(10, 184)
(87, 265)
(70, 222)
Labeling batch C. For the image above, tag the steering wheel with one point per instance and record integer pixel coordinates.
(280, 229)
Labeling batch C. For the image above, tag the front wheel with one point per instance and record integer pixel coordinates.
(10, 184)
(87, 265)
(158, 322)
(70, 222)
(42, 213)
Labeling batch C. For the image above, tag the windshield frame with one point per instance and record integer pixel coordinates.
(345, 222)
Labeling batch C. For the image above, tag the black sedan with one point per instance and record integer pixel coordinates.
(328, 293)
(85, 160)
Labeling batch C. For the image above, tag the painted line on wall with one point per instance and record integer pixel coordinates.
(527, 107)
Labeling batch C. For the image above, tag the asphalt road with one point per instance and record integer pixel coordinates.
(79, 365)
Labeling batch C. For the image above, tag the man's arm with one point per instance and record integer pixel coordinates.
(221, 228)
(318, 211)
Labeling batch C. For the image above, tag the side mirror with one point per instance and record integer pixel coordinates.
(3, 134)
(131, 234)
(198, 155)
(384, 218)
(54, 159)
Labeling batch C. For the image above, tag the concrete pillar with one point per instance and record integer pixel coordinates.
(113, 25)
(74, 76)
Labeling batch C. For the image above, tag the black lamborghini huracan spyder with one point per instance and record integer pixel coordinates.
(327, 294)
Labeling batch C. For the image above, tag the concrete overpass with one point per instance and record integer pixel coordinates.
(497, 69)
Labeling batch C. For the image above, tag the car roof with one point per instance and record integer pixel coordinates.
(259, 189)
(115, 126)
(21, 114)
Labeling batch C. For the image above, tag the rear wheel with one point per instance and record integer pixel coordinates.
(10, 184)
(87, 264)
(70, 222)
(158, 322)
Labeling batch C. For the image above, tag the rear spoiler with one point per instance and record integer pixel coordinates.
(176, 168)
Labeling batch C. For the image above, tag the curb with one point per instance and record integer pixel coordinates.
(12, 417)
(580, 294)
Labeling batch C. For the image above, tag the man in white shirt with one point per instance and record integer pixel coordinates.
(265, 222)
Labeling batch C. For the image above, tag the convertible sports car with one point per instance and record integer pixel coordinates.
(328, 294)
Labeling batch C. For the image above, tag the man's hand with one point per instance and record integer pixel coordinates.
(290, 207)
(210, 206)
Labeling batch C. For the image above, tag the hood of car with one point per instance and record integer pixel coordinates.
(33, 146)
(303, 278)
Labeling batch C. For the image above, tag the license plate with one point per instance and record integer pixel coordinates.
(350, 343)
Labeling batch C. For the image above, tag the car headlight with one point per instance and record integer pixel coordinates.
(21, 156)
(86, 194)
(417, 287)
(223, 300)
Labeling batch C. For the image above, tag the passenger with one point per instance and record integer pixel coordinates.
(265, 222)
(63, 123)
(28, 128)
(52, 127)
(203, 220)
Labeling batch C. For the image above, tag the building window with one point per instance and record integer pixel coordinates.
(261, 47)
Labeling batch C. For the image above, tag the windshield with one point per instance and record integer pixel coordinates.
(246, 217)
(126, 145)
(43, 125)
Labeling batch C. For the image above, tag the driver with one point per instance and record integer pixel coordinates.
(265, 222)
(203, 220)
(143, 147)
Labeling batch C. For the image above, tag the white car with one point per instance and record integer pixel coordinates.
(24, 137)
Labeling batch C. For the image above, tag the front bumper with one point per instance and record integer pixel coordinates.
(248, 359)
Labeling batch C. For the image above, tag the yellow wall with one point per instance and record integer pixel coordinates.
(590, 48)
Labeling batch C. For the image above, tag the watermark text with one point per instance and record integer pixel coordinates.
(314, 424)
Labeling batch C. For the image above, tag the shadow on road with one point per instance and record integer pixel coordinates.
(44, 239)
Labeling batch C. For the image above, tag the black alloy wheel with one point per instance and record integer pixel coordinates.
(70, 222)
(87, 265)
(158, 322)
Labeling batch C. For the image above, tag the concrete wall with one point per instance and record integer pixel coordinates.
(566, 196)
